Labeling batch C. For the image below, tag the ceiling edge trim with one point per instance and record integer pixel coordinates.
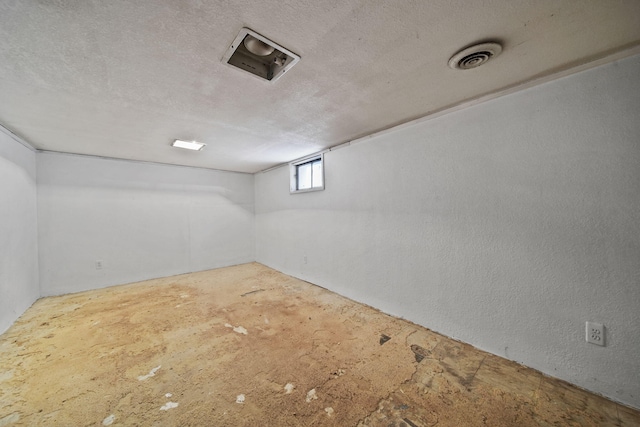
(144, 162)
(571, 69)
(16, 138)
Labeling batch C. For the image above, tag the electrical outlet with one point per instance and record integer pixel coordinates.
(305, 259)
(98, 264)
(595, 333)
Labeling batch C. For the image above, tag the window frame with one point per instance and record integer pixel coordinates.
(293, 173)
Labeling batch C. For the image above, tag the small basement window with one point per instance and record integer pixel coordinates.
(307, 174)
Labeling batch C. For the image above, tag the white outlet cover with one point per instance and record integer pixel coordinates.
(595, 333)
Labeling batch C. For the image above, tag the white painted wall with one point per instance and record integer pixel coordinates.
(141, 220)
(506, 225)
(18, 230)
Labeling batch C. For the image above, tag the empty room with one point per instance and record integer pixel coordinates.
(320, 213)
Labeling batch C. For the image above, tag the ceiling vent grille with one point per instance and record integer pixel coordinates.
(474, 56)
(259, 56)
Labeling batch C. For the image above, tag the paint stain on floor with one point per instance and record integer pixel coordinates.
(302, 357)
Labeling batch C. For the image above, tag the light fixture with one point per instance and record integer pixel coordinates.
(257, 47)
(189, 145)
(256, 54)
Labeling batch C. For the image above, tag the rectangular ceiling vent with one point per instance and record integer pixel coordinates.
(259, 56)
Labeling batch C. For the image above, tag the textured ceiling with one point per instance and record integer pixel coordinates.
(124, 78)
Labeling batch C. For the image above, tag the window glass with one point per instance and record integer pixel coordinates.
(307, 174)
(304, 176)
(316, 174)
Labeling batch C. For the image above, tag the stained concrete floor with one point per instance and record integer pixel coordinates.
(248, 346)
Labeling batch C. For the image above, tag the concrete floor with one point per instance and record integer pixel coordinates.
(248, 346)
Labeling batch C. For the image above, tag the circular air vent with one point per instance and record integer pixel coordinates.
(474, 56)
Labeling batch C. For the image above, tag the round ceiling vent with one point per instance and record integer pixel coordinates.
(474, 56)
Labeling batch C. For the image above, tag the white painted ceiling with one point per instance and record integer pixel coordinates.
(124, 78)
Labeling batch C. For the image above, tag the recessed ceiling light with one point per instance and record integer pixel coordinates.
(256, 54)
(189, 145)
(257, 47)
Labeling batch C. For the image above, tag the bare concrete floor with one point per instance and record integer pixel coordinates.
(248, 346)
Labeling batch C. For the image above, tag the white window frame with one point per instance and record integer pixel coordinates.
(293, 173)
